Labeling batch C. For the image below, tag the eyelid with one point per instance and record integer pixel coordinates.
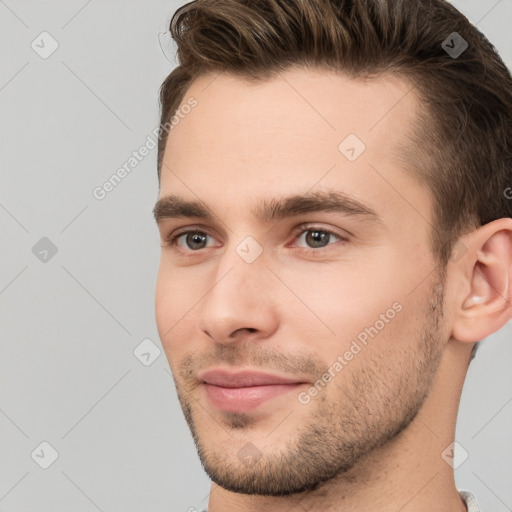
(176, 238)
(302, 228)
(171, 240)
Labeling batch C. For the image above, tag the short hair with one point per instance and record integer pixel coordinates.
(460, 143)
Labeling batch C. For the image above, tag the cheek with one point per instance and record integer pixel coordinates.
(170, 303)
(163, 298)
(176, 291)
(347, 296)
(358, 306)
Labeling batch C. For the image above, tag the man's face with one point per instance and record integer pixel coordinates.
(344, 299)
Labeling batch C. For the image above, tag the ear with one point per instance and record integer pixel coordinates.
(486, 270)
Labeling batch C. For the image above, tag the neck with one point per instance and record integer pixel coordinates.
(407, 474)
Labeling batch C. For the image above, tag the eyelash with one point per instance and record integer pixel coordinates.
(172, 240)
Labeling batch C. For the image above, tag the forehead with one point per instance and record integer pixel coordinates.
(327, 104)
(302, 130)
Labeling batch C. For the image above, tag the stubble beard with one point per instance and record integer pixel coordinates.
(375, 403)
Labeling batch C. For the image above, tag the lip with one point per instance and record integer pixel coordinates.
(242, 379)
(244, 391)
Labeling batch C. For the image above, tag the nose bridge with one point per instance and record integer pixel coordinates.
(244, 264)
(239, 296)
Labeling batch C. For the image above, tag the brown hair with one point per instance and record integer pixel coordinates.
(461, 144)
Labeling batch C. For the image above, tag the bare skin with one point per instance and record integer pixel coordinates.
(372, 438)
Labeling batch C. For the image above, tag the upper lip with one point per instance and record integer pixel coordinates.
(243, 379)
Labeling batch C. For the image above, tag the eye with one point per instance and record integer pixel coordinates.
(190, 240)
(316, 238)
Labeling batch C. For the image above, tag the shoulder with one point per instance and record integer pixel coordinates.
(470, 501)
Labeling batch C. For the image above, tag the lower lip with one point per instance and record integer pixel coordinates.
(245, 399)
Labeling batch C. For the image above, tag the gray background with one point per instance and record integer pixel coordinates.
(70, 324)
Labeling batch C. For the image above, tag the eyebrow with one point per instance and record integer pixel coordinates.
(173, 206)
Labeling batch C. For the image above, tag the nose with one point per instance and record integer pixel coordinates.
(240, 303)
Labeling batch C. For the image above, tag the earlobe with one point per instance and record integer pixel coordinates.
(487, 271)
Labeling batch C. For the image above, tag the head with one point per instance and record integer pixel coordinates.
(333, 187)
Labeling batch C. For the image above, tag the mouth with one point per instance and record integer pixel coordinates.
(244, 391)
